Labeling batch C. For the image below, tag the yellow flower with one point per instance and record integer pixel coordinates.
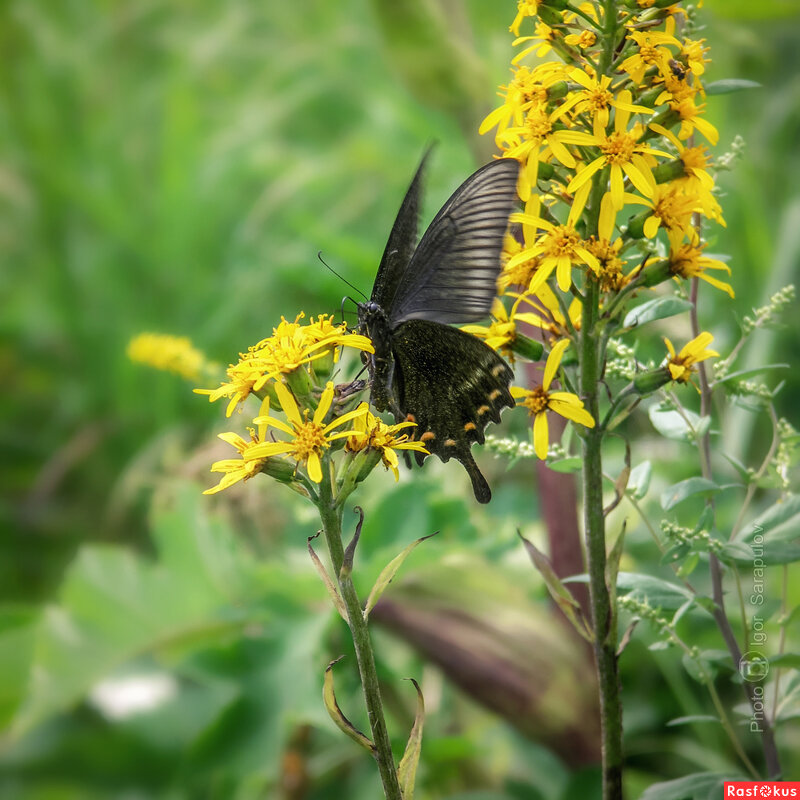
(544, 36)
(310, 437)
(672, 208)
(242, 468)
(620, 150)
(171, 354)
(547, 314)
(536, 140)
(686, 260)
(291, 346)
(525, 8)
(371, 431)
(582, 40)
(500, 333)
(595, 98)
(652, 51)
(695, 54)
(527, 89)
(540, 399)
(559, 247)
(691, 119)
(681, 366)
(521, 273)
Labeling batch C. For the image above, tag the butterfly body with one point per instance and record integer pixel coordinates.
(448, 382)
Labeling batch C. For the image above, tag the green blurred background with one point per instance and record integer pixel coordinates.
(175, 166)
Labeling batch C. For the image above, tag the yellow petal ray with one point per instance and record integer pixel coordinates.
(638, 180)
(570, 407)
(553, 362)
(288, 403)
(563, 273)
(585, 173)
(272, 422)
(617, 187)
(314, 468)
(541, 435)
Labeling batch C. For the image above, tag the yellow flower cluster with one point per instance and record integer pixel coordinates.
(612, 128)
(307, 440)
(314, 346)
(174, 354)
(604, 128)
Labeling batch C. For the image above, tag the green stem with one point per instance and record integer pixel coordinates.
(768, 744)
(603, 615)
(331, 516)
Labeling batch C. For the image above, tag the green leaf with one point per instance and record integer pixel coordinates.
(683, 490)
(779, 519)
(688, 566)
(407, 769)
(639, 481)
(729, 85)
(697, 786)
(388, 573)
(330, 586)
(736, 551)
(659, 308)
(565, 465)
(17, 629)
(691, 720)
(786, 660)
(561, 595)
(115, 605)
(749, 373)
(336, 714)
(673, 425)
(657, 592)
(775, 535)
(612, 565)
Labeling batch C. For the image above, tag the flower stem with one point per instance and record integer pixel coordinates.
(331, 516)
(603, 615)
(765, 729)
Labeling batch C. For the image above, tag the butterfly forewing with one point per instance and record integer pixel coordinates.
(452, 275)
(401, 244)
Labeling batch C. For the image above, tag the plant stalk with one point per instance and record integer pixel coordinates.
(603, 615)
(766, 731)
(332, 526)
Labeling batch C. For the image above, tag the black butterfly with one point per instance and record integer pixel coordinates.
(449, 382)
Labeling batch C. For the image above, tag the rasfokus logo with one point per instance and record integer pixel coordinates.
(762, 789)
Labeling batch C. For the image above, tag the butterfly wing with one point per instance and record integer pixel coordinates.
(452, 385)
(401, 244)
(452, 275)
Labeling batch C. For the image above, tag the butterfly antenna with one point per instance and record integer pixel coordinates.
(354, 288)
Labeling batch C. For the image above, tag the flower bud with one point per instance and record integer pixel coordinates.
(527, 348)
(655, 273)
(556, 92)
(300, 383)
(669, 171)
(279, 469)
(636, 224)
(646, 383)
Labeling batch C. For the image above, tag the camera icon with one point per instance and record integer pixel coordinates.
(753, 666)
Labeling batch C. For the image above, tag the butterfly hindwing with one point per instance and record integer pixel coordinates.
(452, 385)
(452, 275)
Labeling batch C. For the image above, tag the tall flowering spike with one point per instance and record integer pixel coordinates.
(607, 142)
